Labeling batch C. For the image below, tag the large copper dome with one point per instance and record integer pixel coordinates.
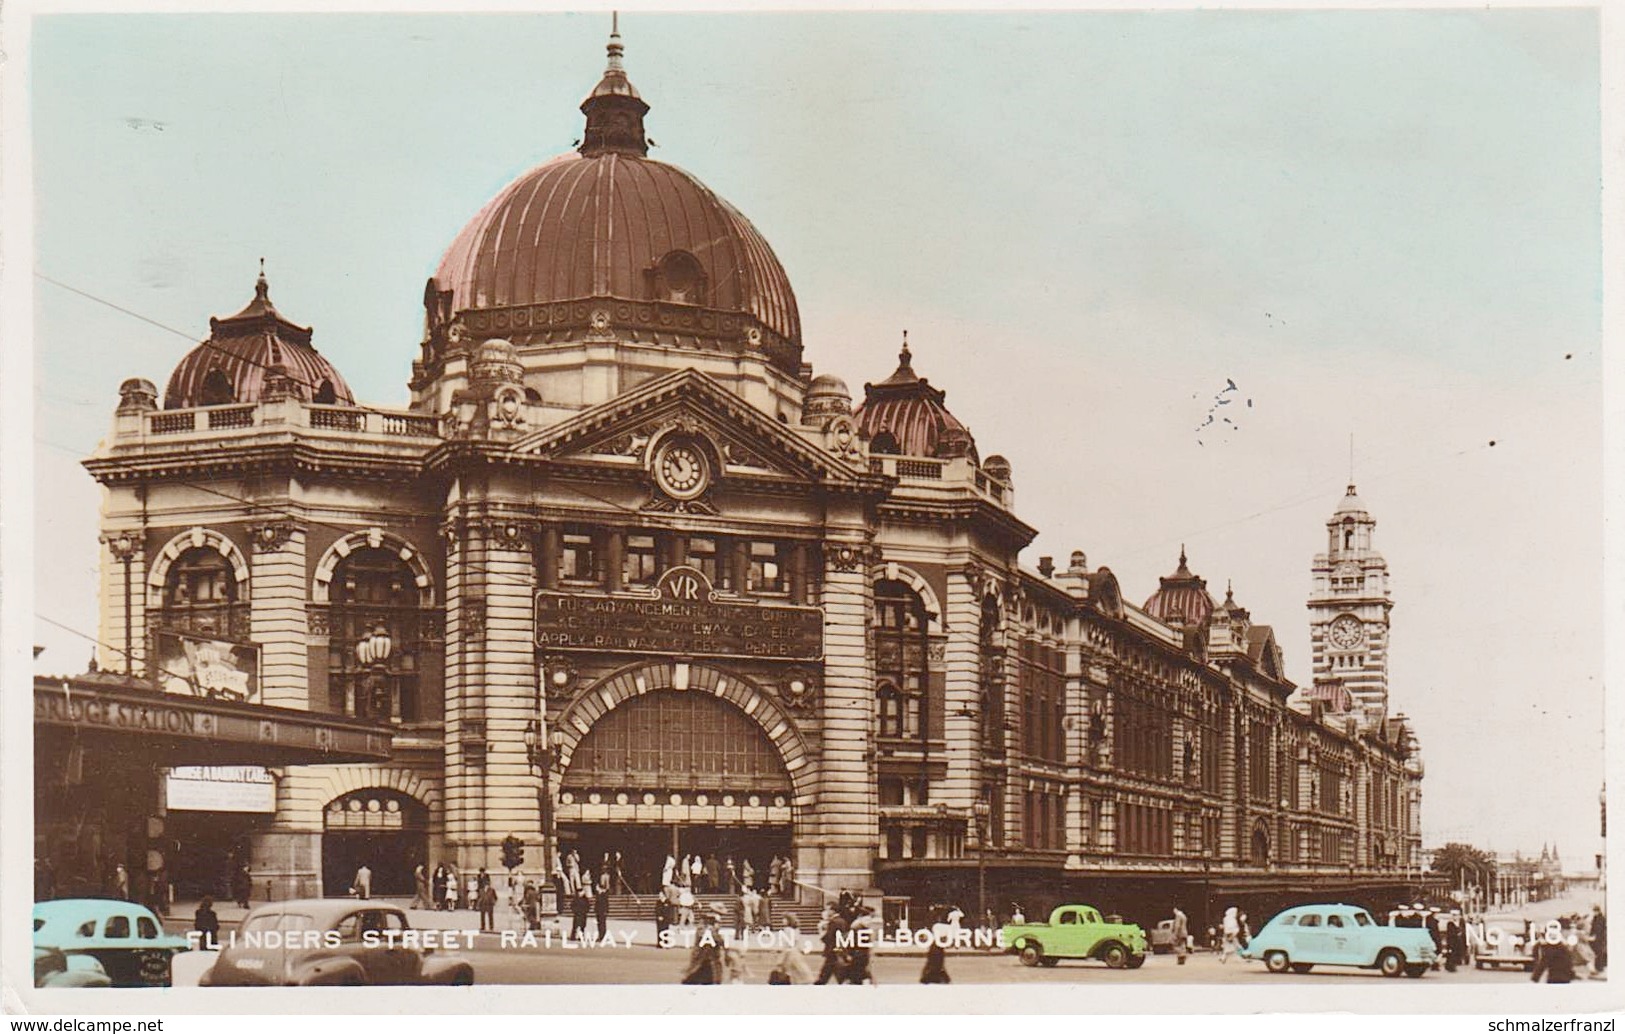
(609, 239)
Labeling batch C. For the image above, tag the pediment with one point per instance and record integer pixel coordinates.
(744, 442)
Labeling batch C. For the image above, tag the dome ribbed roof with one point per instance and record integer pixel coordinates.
(904, 414)
(610, 223)
(244, 350)
(1182, 598)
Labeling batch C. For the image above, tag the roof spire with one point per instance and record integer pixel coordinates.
(262, 287)
(1351, 463)
(614, 110)
(904, 356)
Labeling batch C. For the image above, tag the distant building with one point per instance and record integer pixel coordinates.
(627, 575)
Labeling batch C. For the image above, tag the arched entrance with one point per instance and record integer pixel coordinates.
(1260, 852)
(386, 830)
(679, 771)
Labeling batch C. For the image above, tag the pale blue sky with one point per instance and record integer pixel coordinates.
(1384, 223)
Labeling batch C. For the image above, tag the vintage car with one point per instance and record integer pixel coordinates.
(341, 942)
(1077, 932)
(1162, 937)
(126, 939)
(54, 969)
(1301, 938)
(1503, 944)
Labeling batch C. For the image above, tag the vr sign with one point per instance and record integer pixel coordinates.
(683, 615)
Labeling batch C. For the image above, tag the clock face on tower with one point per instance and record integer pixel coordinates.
(681, 470)
(1347, 632)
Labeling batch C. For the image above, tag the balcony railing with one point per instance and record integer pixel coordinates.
(247, 416)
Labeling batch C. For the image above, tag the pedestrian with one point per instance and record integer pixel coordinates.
(483, 880)
(662, 916)
(747, 873)
(764, 911)
(1230, 931)
(600, 903)
(420, 887)
(361, 886)
(1552, 958)
(1181, 935)
(711, 869)
(1016, 915)
(471, 892)
(572, 871)
(685, 905)
(121, 882)
(437, 888)
(1599, 937)
(1455, 942)
(791, 965)
(451, 889)
(936, 964)
(775, 875)
(864, 926)
(745, 912)
(206, 923)
(580, 907)
(485, 899)
(835, 963)
(668, 871)
(241, 881)
(705, 961)
(1246, 936)
(530, 906)
(787, 878)
(733, 876)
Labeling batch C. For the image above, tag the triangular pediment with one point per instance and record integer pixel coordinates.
(748, 442)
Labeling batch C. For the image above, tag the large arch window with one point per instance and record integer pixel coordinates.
(669, 740)
(200, 594)
(373, 591)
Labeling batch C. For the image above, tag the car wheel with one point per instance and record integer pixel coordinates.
(1114, 955)
(1136, 961)
(463, 980)
(1391, 963)
(1031, 954)
(1415, 972)
(1276, 962)
(1050, 961)
(1302, 967)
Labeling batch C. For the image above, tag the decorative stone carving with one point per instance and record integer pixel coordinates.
(559, 676)
(473, 615)
(936, 650)
(841, 438)
(432, 623)
(271, 536)
(850, 556)
(799, 691)
(513, 535)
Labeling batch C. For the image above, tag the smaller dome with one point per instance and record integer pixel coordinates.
(137, 393)
(997, 468)
(903, 414)
(244, 351)
(827, 396)
(1350, 505)
(1182, 598)
(496, 361)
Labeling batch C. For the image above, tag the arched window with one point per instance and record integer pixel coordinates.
(891, 710)
(885, 443)
(373, 592)
(901, 657)
(325, 395)
(1260, 848)
(217, 389)
(679, 277)
(200, 592)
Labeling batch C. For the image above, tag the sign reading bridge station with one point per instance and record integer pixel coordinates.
(681, 615)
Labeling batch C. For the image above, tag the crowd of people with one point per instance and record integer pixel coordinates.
(708, 874)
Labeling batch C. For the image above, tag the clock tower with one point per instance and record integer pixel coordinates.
(1349, 611)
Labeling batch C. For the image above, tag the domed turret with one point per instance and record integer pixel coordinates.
(242, 353)
(904, 414)
(496, 362)
(607, 241)
(1182, 598)
(827, 396)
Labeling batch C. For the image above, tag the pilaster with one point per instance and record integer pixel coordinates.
(277, 614)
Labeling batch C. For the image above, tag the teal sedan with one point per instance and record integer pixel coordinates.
(1301, 938)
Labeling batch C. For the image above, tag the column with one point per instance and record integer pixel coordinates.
(509, 689)
(960, 661)
(277, 614)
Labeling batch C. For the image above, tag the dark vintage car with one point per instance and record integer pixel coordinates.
(333, 943)
(125, 939)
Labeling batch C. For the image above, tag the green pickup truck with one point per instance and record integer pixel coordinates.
(1077, 932)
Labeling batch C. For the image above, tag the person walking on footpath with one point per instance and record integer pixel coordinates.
(437, 888)
(835, 962)
(205, 922)
(1230, 931)
(600, 903)
(121, 882)
(420, 887)
(864, 928)
(240, 883)
(1599, 938)
(705, 962)
(362, 885)
(791, 965)
(580, 908)
(486, 899)
(1181, 935)
(1552, 958)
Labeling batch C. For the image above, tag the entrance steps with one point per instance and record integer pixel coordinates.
(807, 911)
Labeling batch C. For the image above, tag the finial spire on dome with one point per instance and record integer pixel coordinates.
(262, 287)
(614, 110)
(904, 357)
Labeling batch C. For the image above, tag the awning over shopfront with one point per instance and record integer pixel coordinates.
(137, 720)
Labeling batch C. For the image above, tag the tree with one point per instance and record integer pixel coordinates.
(1463, 864)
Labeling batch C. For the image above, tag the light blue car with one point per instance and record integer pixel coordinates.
(1340, 935)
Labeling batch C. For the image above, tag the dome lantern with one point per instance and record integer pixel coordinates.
(614, 110)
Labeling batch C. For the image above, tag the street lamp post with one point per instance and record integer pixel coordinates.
(542, 753)
(982, 810)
